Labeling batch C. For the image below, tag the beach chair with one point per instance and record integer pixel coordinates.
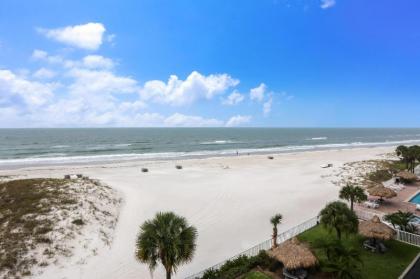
(368, 245)
(418, 207)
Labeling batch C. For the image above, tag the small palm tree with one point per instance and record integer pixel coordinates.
(402, 220)
(166, 238)
(343, 261)
(352, 194)
(275, 220)
(337, 216)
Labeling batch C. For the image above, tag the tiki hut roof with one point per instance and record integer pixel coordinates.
(375, 229)
(407, 175)
(381, 191)
(294, 254)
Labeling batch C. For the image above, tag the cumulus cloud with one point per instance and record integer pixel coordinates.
(181, 120)
(86, 36)
(267, 106)
(88, 82)
(257, 93)
(97, 62)
(44, 73)
(238, 120)
(233, 99)
(32, 93)
(183, 92)
(326, 4)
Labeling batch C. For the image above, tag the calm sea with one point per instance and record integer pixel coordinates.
(49, 146)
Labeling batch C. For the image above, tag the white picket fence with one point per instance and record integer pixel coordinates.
(402, 236)
(410, 238)
(253, 251)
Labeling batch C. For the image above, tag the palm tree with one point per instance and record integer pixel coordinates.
(275, 220)
(353, 194)
(166, 238)
(343, 261)
(336, 215)
(402, 220)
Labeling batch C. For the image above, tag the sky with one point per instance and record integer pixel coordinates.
(189, 63)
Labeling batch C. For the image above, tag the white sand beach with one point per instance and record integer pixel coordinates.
(229, 199)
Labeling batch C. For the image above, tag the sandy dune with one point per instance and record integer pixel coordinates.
(229, 200)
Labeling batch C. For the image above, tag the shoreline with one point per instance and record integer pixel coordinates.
(110, 159)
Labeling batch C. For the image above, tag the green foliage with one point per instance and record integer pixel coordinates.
(240, 266)
(167, 238)
(352, 194)
(276, 219)
(256, 275)
(409, 155)
(385, 266)
(337, 216)
(343, 261)
(401, 220)
(380, 176)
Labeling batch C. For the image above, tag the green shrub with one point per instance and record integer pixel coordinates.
(380, 176)
(241, 265)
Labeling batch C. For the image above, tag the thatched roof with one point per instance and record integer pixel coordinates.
(375, 229)
(381, 191)
(294, 254)
(407, 175)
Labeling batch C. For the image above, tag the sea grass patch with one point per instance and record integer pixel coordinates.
(40, 217)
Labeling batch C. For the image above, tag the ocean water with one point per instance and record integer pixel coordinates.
(50, 146)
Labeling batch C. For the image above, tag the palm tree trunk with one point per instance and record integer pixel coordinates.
(338, 233)
(168, 274)
(274, 237)
(351, 204)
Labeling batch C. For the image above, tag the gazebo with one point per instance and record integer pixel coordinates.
(382, 192)
(375, 230)
(295, 257)
(406, 176)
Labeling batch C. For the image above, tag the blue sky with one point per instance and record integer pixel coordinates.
(286, 63)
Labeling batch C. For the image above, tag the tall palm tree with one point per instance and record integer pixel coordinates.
(352, 194)
(336, 215)
(166, 238)
(402, 220)
(275, 220)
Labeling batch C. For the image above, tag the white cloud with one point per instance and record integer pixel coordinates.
(39, 54)
(258, 92)
(97, 62)
(267, 106)
(326, 4)
(42, 55)
(183, 92)
(88, 82)
(233, 99)
(86, 36)
(32, 93)
(44, 73)
(238, 120)
(181, 120)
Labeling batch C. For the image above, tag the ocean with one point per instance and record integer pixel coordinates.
(51, 146)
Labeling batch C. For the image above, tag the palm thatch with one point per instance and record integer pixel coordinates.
(381, 191)
(406, 175)
(375, 229)
(293, 254)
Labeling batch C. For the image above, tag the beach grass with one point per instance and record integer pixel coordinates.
(23, 204)
(389, 265)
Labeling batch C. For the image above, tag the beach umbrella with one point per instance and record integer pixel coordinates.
(375, 229)
(293, 254)
(382, 192)
(407, 176)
